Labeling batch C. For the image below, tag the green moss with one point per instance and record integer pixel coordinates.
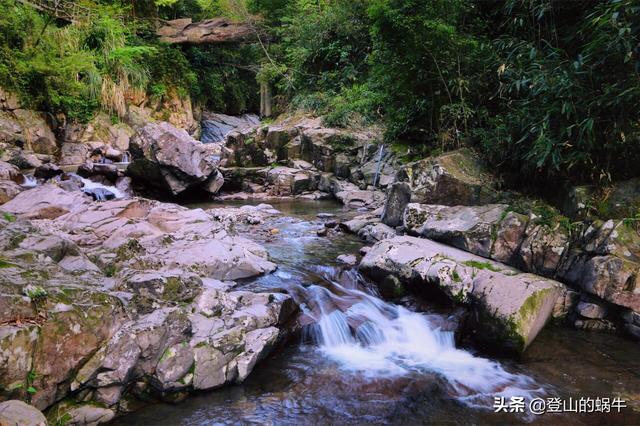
(172, 289)
(110, 270)
(129, 250)
(481, 265)
(8, 217)
(456, 276)
(6, 264)
(15, 241)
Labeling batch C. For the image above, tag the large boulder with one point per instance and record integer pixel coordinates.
(398, 197)
(11, 130)
(605, 262)
(168, 159)
(45, 202)
(215, 127)
(289, 181)
(455, 178)
(465, 227)
(72, 153)
(18, 413)
(512, 307)
(39, 136)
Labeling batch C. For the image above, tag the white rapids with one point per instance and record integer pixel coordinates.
(365, 335)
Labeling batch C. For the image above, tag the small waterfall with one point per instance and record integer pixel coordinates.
(125, 158)
(29, 181)
(99, 191)
(364, 334)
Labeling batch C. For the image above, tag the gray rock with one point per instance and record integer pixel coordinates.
(215, 127)
(372, 233)
(591, 310)
(73, 153)
(18, 413)
(45, 202)
(511, 307)
(631, 317)
(8, 190)
(47, 171)
(455, 178)
(398, 197)
(467, 228)
(88, 415)
(168, 159)
(347, 259)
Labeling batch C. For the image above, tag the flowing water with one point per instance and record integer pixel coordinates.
(363, 360)
(89, 185)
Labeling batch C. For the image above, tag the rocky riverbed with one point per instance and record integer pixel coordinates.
(356, 272)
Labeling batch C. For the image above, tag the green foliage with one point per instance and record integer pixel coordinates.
(545, 88)
(36, 293)
(8, 217)
(568, 87)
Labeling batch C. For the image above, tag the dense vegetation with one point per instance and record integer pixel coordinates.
(544, 88)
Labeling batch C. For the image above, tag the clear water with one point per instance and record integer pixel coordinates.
(363, 360)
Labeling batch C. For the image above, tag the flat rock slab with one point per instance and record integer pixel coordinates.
(511, 307)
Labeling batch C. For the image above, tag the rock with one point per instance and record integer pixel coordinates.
(259, 344)
(39, 136)
(88, 415)
(214, 183)
(322, 232)
(511, 307)
(509, 235)
(372, 233)
(354, 225)
(398, 197)
(8, 190)
(286, 181)
(347, 259)
(613, 279)
(113, 154)
(355, 198)
(325, 215)
(543, 248)
(8, 100)
(631, 317)
(45, 202)
(18, 413)
(617, 201)
(149, 320)
(11, 131)
(47, 171)
(591, 310)
(23, 159)
(10, 172)
(455, 178)
(467, 228)
(170, 160)
(215, 127)
(73, 153)
(633, 330)
(300, 164)
(123, 184)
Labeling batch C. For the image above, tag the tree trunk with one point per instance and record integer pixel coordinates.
(265, 99)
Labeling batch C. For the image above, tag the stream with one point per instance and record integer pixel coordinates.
(400, 365)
